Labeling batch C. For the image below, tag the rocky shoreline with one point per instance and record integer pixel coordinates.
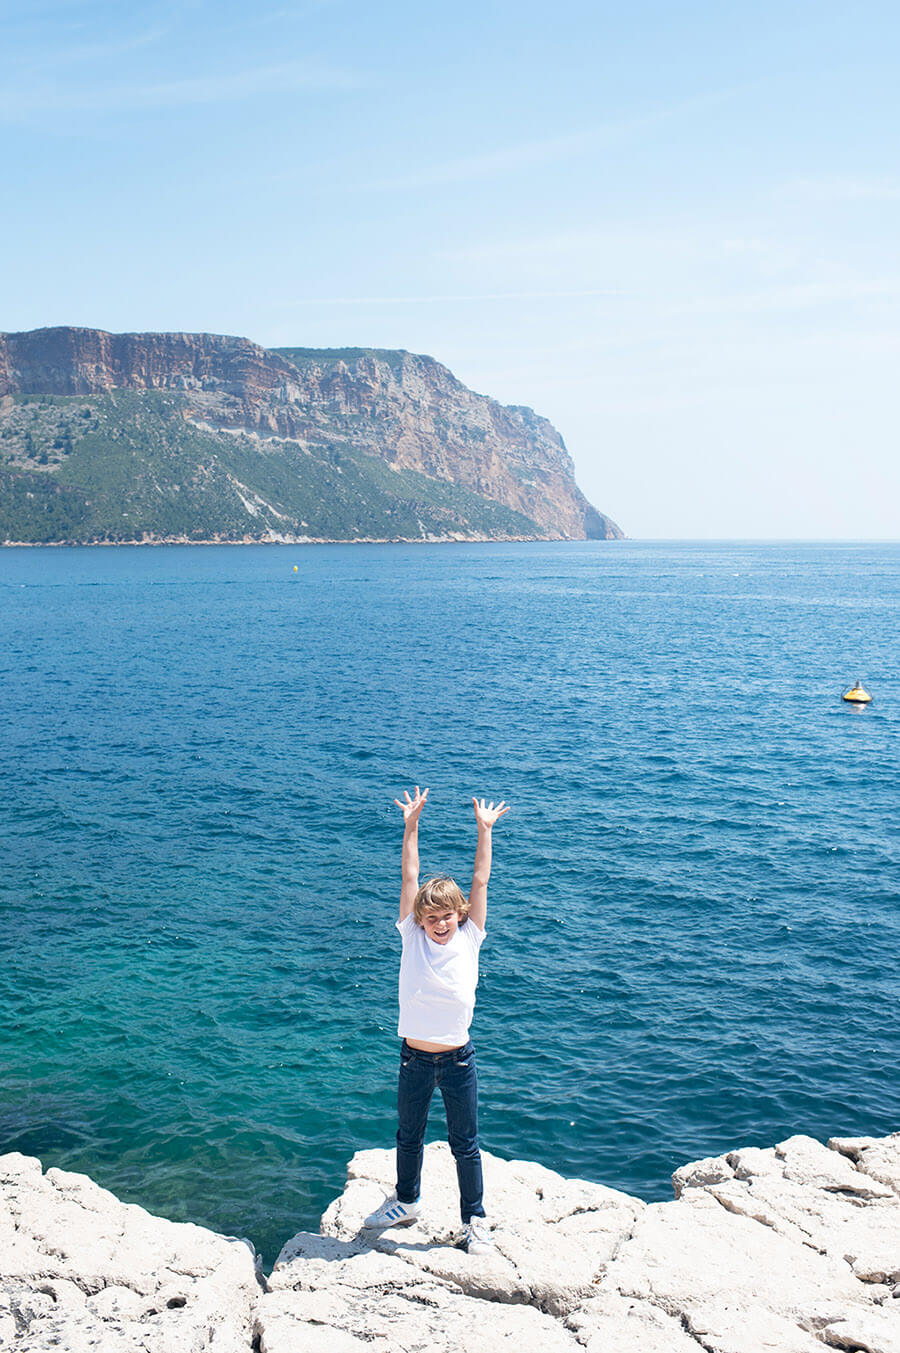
(793, 1249)
(453, 539)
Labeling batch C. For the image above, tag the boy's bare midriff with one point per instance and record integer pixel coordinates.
(433, 1047)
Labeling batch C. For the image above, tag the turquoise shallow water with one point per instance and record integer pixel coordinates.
(694, 910)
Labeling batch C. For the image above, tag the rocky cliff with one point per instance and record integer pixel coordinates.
(791, 1249)
(200, 436)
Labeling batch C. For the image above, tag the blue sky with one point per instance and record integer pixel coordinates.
(671, 229)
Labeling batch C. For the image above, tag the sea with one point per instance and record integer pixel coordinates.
(693, 920)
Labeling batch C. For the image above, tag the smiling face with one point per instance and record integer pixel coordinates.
(440, 908)
(440, 926)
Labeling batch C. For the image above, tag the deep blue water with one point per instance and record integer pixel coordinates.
(693, 921)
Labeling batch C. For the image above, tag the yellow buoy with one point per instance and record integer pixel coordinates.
(295, 568)
(857, 694)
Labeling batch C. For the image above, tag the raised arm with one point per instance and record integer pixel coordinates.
(411, 808)
(485, 817)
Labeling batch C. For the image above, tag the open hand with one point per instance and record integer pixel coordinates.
(411, 808)
(486, 816)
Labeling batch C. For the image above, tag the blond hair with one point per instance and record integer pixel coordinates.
(440, 894)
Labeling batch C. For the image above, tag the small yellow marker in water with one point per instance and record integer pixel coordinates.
(295, 568)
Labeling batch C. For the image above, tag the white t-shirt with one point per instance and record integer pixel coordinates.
(437, 983)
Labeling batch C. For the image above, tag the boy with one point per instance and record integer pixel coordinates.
(442, 934)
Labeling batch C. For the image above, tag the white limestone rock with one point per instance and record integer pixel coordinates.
(343, 1301)
(878, 1157)
(81, 1271)
(611, 1323)
(816, 1197)
(874, 1331)
(806, 1161)
(736, 1285)
(791, 1249)
(553, 1235)
(765, 1250)
(710, 1170)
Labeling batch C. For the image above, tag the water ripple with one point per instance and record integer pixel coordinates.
(694, 916)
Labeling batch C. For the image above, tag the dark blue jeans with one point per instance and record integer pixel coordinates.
(454, 1074)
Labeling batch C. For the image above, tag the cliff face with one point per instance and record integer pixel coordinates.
(70, 361)
(406, 411)
(414, 412)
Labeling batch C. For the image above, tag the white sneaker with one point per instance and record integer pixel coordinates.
(477, 1238)
(393, 1213)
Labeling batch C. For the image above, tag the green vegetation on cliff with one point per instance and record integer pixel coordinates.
(132, 465)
